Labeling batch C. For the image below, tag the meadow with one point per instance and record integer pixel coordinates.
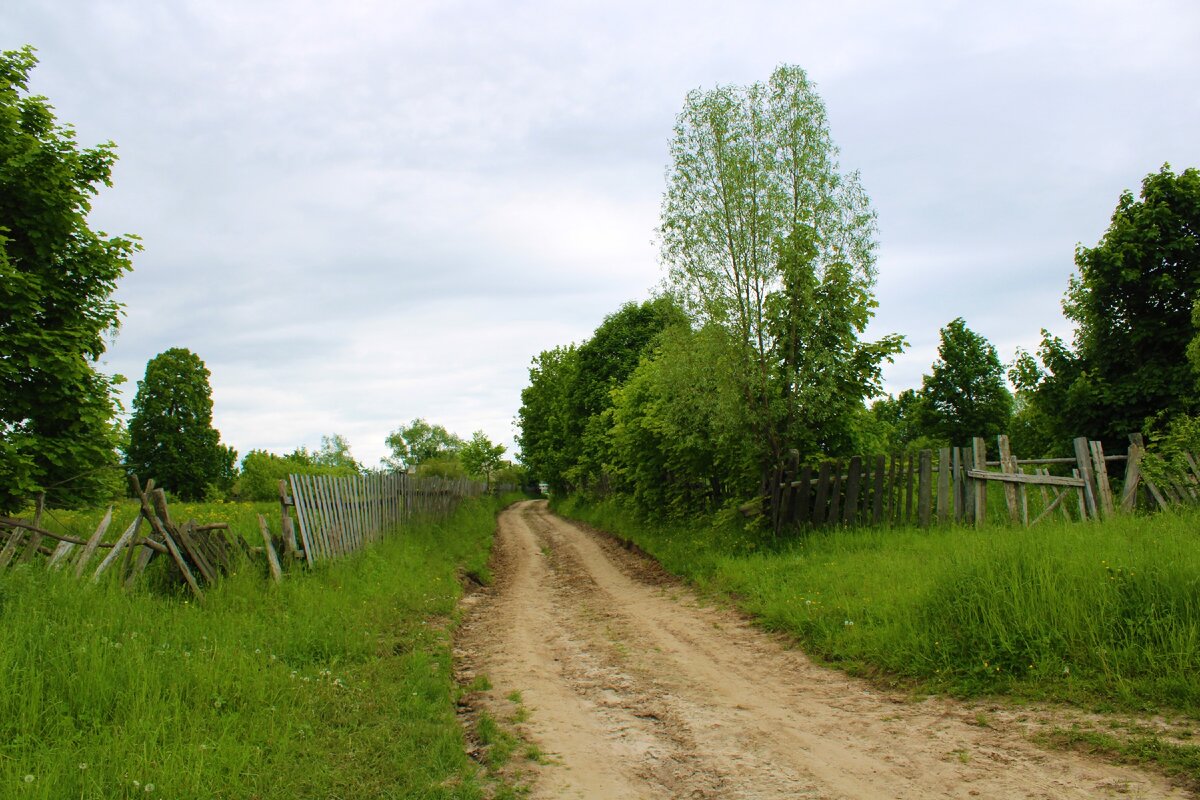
(336, 683)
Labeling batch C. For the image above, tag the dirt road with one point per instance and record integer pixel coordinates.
(634, 690)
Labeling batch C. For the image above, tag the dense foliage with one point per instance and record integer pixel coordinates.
(755, 349)
(171, 437)
(964, 394)
(1133, 302)
(58, 430)
(261, 471)
(764, 236)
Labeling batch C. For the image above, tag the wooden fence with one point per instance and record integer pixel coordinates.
(340, 515)
(335, 516)
(950, 486)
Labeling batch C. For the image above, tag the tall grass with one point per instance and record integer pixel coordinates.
(335, 683)
(1103, 614)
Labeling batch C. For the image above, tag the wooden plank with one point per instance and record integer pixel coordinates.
(94, 542)
(191, 548)
(269, 548)
(297, 500)
(1022, 495)
(943, 486)
(58, 558)
(115, 552)
(35, 537)
(979, 458)
(925, 489)
(819, 514)
(1007, 467)
(802, 496)
(956, 468)
(160, 529)
(878, 492)
(1104, 496)
(853, 485)
(909, 475)
(16, 537)
(1015, 478)
(1081, 492)
(889, 498)
(145, 554)
(181, 564)
(835, 494)
(789, 491)
(1049, 509)
(1083, 459)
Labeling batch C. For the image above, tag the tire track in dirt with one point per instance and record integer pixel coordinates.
(637, 691)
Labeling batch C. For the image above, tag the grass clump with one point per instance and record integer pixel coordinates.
(1104, 615)
(335, 683)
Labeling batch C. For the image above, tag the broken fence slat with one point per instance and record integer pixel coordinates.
(1044, 480)
(94, 542)
(113, 554)
(272, 556)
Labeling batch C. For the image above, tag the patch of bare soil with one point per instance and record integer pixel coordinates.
(635, 690)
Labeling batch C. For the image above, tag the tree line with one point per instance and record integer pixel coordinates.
(754, 346)
(61, 428)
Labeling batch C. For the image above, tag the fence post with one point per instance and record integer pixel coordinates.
(1103, 489)
(925, 489)
(1007, 467)
(979, 460)
(1133, 473)
(853, 482)
(1084, 458)
(943, 492)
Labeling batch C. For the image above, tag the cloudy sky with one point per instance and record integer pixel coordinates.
(366, 212)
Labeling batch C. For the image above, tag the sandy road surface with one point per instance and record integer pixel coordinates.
(636, 691)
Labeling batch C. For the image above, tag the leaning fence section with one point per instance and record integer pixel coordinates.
(950, 486)
(340, 515)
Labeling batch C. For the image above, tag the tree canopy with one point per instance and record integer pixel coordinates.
(420, 442)
(58, 430)
(171, 437)
(964, 393)
(764, 235)
(1132, 300)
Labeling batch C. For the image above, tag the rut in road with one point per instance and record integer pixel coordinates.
(635, 690)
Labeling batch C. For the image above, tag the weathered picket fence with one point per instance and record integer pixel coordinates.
(951, 486)
(335, 516)
(199, 553)
(339, 515)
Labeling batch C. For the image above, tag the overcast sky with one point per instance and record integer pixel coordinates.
(366, 212)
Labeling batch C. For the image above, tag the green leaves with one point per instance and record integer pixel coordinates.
(171, 438)
(57, 414)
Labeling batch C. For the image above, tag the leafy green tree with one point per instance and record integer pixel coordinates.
(546, 417)
(481, 458)
(260, 474)
(1132, 302)
(171, 437)
(682, 437)
(964, 395)
(418, 442)
(900, 421)
(58, 430)
(763, 234)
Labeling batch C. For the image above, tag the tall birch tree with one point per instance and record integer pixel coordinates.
(763, 234)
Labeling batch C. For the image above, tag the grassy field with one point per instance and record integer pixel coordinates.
(1102, 615)
(335, 684)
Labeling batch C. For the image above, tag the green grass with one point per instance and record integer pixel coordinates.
(334, 684)
(1102, 615)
